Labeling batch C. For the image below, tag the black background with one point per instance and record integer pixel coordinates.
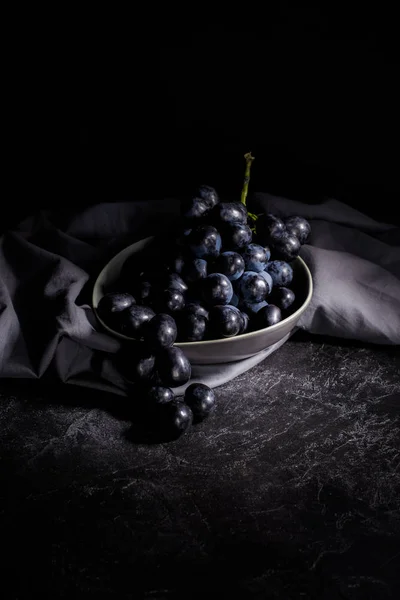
(153, 103)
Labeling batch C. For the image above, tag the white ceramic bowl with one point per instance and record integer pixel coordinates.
(214, 351)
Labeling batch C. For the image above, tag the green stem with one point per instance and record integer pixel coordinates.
(249, 159)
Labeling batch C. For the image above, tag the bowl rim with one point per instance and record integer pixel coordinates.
(243, 336)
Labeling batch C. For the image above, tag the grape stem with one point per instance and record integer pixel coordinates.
(249, 159)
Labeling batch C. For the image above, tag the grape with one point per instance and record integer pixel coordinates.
(178, 417)
(230, 264)
(195, 270)
(194, 308)
(245, 322)
(160, 332)
(159, 395)
(252, 287)
(177, 264)
(225, 321)
(282, 297)
(253, 307)
(281, 272)
(171, 301)
(133, 320)
(201, 399)
(268, 279)
(274, 227)
(286, 248)
(234, 300)
(144, 291)
(136, 366)
(255, 257)
(112, 305)
(195, 208)
(270, 315)
(192, 327)
(208, 195)
(205, 242)
(237, 235)
(299, 227)
(229, 212)
(175, 282)
(173, 367)
(217, 289)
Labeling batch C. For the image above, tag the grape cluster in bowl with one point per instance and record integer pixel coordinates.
(211, 277)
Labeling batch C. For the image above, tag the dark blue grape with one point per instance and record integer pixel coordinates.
(217, 289)
(299, 227)
(133, 320)
(205, 242)
(136, 365)
(234, 300)
(281, 272)
(270, 315)
(268, 279)
(225, 321)
(160, 332)
(274, 227)
(195, 308)
(228, 213)
(194, 209)
(159, 395)
(252, 287)
(208, 195)
(170, 301)
(245, 323)
(253, 308)
(195, 270)
(114, 302)
(177, 264)
(191, 327)
(173, 367)
(177, 418)
(175, 282)
(201, 399)
(282, 297)
(286, 248)
(255, 257)
(237, 236)
(230, 264)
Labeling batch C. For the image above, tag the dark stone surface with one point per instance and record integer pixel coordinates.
(290, 490)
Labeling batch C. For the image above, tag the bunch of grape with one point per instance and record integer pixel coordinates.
(206, 279)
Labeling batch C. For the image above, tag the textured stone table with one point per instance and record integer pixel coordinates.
(291, 490)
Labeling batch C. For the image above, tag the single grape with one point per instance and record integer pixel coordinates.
(114, 302)
(252, 308)
(228, 213)
(195, 270)
(299, 227)
(217, 289)
(194, 209)
(245, 323)
(237, 236)
(286, 248)
(159, 395)
(133, 320)
(160, 332)
(281, 272)
(282, 297)
(136, 365)
(175, 282)
(208, 195)
(252, 287)
(225, 321)
(205, 242)
(171, 301)
(191, 327)
(201, 399)
(268, 279)
(173, 367)
(195, 308)
(234, 300)
(230, 264)
(255, 257)
(270, 315)
(177, 418)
